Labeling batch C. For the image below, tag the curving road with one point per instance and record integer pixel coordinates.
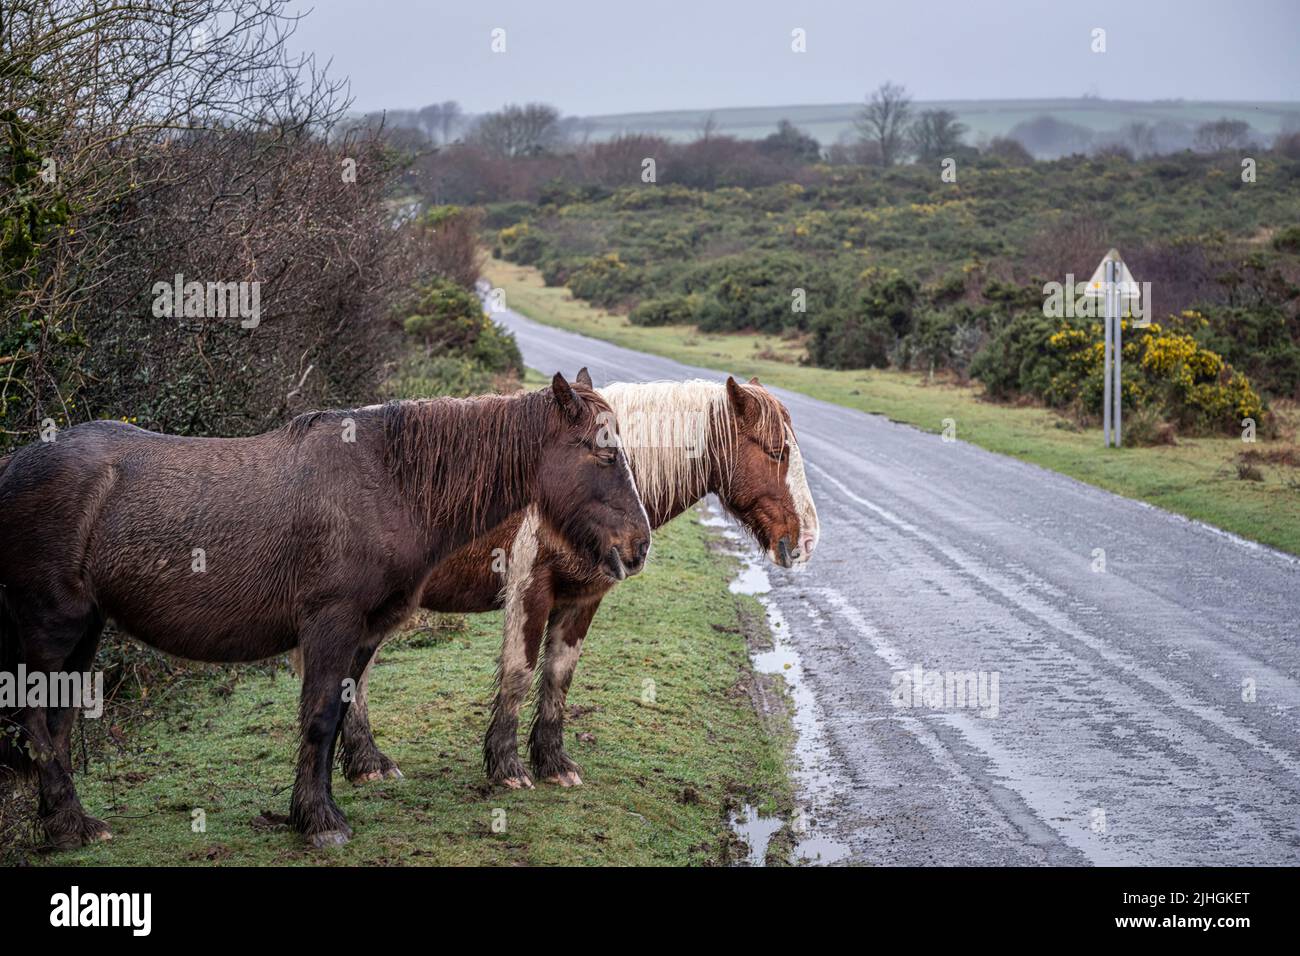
(1145, 713)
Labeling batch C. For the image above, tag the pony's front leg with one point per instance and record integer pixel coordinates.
(333, 650)
(528, 603)
(564, 635)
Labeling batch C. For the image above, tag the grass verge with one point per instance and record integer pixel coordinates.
(662, 771)
(1201, 478)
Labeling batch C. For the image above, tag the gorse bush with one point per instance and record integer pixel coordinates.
(1017, 358)
(673, 310)
(458, 340)
(1167, 373)
(605, 280)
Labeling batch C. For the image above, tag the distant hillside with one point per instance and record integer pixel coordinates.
(986, 118)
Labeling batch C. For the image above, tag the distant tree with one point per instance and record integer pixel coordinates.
(430, 118)
(1050, 137)
(528, 130)
(1288, 144)
(1171, 137)
(1113, 150)
(619, 161)
(883, 121)
(1010, 151)
(576, 129)
(850, 150)
(450, 118)
(790, 144)
(935, 134)
(1222, 134)
(1138, 138)
(708, 129)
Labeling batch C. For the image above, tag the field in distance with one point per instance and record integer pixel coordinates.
(986, 119)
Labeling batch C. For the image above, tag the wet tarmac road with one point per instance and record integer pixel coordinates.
(1144, 711)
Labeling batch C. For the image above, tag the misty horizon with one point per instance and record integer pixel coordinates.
(588, 60)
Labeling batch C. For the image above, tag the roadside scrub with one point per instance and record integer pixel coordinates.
(1250, 489)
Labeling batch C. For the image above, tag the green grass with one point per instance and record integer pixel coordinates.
(1197, 478)
(659, 776)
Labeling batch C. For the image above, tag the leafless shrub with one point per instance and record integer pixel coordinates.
(102, 108)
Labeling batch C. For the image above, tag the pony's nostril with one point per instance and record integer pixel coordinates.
(636, 560)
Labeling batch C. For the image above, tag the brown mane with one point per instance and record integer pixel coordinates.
(461, 459)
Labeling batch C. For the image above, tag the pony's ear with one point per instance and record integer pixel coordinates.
(584, 378)
(755, 381)
(566, 397)
(736, 397)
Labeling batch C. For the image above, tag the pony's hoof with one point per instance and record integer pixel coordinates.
(520, 782)
(71, 832)
(328, 838)
(565, 778)
(380, 768)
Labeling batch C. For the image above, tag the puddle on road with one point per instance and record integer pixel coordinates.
(815, 784)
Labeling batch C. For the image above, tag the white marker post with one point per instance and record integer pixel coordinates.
(1114, 284)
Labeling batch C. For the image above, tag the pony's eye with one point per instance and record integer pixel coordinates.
(776, 456)
(606, 457)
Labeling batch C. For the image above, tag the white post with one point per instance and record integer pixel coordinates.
(1119, 355)
(1106, 381)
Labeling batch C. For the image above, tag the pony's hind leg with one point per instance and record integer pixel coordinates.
(363, 761)
(61, 719)
(47, 647)
(333, 652)
(564, 636)
(526, 610)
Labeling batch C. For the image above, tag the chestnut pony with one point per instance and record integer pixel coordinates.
(319, 536)
(683, 440)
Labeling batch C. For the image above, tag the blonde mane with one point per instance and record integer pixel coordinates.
(674, 432)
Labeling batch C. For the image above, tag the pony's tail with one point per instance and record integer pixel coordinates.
(14, 758)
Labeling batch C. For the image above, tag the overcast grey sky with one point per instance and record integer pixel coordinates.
(614, 57)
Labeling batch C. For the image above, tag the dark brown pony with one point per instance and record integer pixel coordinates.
(319, 535)
(683, 440)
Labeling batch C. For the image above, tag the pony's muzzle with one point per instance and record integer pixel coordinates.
(618, 567)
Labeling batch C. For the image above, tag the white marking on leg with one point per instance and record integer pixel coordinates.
(519, 578)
